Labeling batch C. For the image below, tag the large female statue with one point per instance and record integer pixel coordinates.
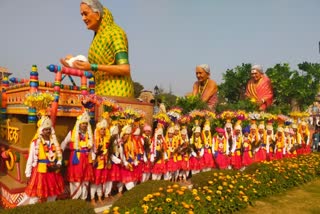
(259, 88)
(108, 52)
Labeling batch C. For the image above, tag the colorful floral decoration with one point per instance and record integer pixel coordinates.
(40, 101)
(297, 115)
(110, 105)
(241, 115)
(227, 115)
(162, 118)
(174, 114)
(209, 115)
(184, 119)
(197, 116)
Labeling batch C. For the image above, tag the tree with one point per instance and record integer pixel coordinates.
(137, 89)
(235, 81)
(292, 87)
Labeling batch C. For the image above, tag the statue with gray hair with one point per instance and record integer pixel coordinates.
(108, 54)
(259, 88)
(205, 87)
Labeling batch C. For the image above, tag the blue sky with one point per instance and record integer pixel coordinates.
(167, 38)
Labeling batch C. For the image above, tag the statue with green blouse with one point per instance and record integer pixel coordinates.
(108, 53)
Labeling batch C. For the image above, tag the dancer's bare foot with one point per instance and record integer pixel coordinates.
(93, 202)
(100, 200)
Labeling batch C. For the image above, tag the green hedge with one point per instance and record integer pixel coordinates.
(220, 191)
(57, 207)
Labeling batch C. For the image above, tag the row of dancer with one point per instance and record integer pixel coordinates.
(123, 156)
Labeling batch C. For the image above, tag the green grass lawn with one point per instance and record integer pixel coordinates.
(299, 200)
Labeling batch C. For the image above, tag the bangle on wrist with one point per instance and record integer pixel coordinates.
(94, 67)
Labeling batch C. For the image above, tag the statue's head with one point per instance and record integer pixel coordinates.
(203, 72)
(256, 72)
(91, 12)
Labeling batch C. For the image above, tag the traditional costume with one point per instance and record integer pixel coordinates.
(207, 141)
(183, 153)
(172, 143)
(147, 166)
(130, 161)
(260, 151)
(101, 182)
(279, 145)
(44, 156)
(158, 154)
(247, 158)
(221, 151)
(196, 161)
(236, 148)
(79, 171)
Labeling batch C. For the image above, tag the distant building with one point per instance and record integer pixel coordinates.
(146, 96)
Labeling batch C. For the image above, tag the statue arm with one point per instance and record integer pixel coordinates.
(121, 69)
(195, 89)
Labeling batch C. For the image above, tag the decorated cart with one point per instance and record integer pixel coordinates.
(20, 99)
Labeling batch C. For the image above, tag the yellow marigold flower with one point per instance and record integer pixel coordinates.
(215, 174)
(194, 190)
(106, 211)
(224, 184)
(231, 186)
(175, 186)
(150, 196)
(208, 198)
(228, 177)
(205, 187)
(127, 212)
(173, 212)
(241, 193)
(210, 182)
(168, 200)
(241, 187)
(220, 188)
(209, 191)
(186, 206)
(160, 188)
(184, 188)
(146, 199)
(115, 209)
(180, 192)
(156, 194)
(169, 190)
(190, 212)
(197, 198)
(218, 192)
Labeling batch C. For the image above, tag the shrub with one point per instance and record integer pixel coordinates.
(60, 206)
(223, 191)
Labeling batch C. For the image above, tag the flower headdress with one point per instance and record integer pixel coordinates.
(83, 118)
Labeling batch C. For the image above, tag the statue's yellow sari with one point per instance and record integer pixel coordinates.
(110, 47)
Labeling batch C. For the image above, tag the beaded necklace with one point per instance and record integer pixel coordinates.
(201, 89)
